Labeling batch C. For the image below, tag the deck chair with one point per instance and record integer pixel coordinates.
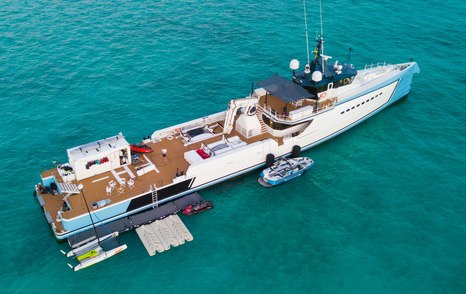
(131, 183)
(112, 185)
(108, 190)
(123, 182)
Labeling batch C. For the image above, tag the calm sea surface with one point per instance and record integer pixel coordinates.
(383, 210)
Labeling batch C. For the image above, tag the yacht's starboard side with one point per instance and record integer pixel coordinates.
(199, 153)
(106, 180)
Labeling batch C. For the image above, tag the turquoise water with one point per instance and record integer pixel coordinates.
(382, 211)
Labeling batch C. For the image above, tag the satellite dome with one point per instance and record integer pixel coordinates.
(317, 76)
(294, 64)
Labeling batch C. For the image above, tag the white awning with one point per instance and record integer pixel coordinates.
(98, 148)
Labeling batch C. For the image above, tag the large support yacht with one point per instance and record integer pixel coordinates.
(281, 115)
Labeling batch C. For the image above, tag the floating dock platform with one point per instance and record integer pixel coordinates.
(161, 234)
(138, 220)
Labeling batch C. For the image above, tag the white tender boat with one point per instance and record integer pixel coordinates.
(284, 170)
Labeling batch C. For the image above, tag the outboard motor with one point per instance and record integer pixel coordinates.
(296, 151)
(269, 160)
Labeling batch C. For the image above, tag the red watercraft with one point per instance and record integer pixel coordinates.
(198, 207)
(140, 148)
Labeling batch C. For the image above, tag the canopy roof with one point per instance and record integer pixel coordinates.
(284, 89)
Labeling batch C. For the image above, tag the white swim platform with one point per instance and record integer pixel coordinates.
(160, 235)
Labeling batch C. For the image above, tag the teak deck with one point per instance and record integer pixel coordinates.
(94, 188)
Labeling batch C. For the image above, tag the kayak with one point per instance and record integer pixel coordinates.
(140, 148)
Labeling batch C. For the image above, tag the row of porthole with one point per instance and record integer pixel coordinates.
(364, 102)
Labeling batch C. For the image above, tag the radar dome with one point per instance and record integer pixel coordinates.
(294, 64)
(317, 76)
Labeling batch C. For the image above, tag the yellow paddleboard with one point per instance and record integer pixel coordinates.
(90, 254)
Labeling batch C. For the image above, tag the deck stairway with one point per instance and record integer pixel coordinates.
(68, 188)
(259, 116)
(155, 200)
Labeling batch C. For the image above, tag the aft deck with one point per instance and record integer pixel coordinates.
(166, 170)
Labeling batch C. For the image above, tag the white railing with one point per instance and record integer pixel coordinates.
(200, 122)
(282, 117)
(273, 114)
(378, 64)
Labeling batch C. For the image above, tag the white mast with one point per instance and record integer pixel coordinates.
(322, 38)
(307, 37)
(321, 27)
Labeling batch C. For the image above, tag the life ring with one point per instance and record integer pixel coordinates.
(252, 111)
(169, 137)
(322, 95)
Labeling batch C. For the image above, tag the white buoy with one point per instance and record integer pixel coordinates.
(294, 64)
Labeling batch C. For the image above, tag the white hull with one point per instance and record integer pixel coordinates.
(371, 91)
(323, 127)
